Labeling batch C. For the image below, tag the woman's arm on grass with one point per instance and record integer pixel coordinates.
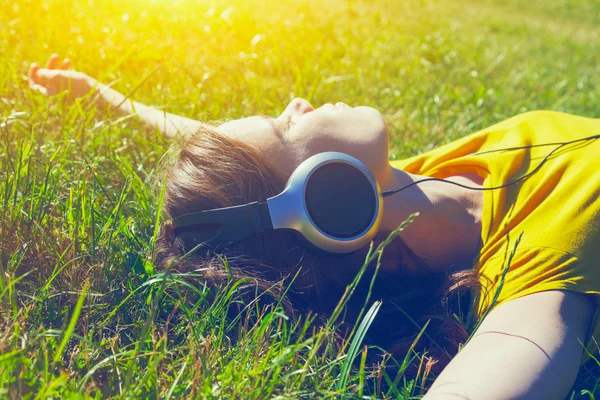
(58, 77)
(528, 348)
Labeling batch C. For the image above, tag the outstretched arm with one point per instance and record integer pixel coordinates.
(527, 348)
(58, 77)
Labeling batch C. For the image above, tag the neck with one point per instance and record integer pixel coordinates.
(446, 235)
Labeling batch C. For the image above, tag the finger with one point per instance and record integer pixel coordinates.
(53, 61)
(40, 89)
(33, 69)
(47, 77)
(66, 64)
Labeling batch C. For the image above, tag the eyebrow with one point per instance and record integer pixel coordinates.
(275, 128)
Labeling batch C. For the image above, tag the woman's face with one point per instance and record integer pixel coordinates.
(302, 131)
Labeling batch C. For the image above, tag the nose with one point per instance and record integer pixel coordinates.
(298, 107)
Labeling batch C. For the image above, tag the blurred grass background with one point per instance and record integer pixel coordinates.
(81, 309)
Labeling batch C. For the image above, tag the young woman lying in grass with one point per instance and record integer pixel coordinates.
(527, 251)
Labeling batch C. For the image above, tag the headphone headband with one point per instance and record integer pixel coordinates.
(229, 224)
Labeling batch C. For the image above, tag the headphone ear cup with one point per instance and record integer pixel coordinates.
(340, 200)
(333, 200)
(315, 250)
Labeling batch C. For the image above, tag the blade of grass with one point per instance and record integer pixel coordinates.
(356, 343)
(71, 327)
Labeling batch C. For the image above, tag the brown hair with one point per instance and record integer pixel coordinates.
(214, 171)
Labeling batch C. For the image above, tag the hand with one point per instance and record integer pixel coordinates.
(58, 77)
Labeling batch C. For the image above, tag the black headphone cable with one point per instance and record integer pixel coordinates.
(558, 144)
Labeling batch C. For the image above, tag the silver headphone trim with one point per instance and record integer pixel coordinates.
(288, 210)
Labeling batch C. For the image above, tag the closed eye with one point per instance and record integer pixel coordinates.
(277, 127)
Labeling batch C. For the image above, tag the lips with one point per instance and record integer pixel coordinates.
(338, 106)
(342, 106)
(330, 106)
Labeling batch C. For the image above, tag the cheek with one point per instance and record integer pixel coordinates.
(285, 156)
(364, 139)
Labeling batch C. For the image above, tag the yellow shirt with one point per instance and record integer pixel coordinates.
(557, 209)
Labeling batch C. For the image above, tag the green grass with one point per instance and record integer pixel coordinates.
(83, 312)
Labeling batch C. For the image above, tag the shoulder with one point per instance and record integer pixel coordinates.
(530, 347)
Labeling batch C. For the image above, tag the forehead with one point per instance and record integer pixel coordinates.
(260, 132)
(245, 128)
